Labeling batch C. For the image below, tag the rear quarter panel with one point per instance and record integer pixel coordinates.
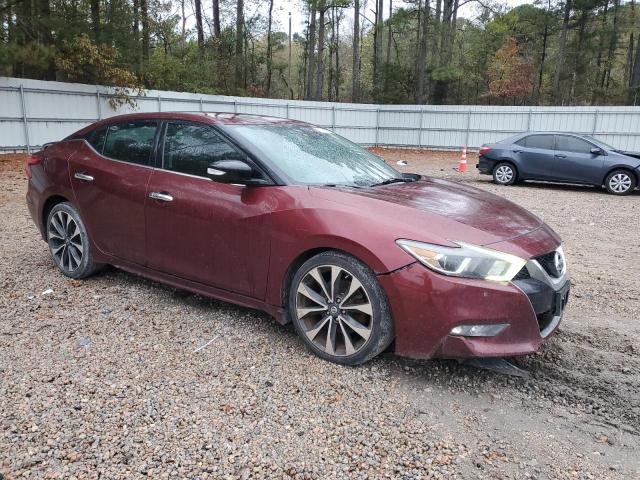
(50, 178)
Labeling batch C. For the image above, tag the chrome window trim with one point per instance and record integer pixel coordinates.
(184, 174)
(137, 164)
(109, 158)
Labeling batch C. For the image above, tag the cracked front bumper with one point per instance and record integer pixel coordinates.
(427, 305)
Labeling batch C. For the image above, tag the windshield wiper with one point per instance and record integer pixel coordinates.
(389, 181)
(338, 185)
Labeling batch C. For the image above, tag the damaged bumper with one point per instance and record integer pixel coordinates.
(427, 307)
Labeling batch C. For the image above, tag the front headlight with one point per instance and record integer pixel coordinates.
(470, 261)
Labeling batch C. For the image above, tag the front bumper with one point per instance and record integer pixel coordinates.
(426, 306)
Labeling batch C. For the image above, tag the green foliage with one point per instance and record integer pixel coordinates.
(31, 57)
(184, 70)
(80, 60)
(398, 85)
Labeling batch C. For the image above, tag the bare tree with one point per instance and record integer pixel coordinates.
(613, 41)
(332, 51)
(146, 40)
(562, 45)
(311, 46)
(216, 19)
(634, 84)
(239, 43)
(422, 54)
(390, 34)
(543, 55)
(269, 47)
(338, 14)
(355, 80)
(95, 19)
(628, 66)
(322, 9)
(377, 44)
(199, 29)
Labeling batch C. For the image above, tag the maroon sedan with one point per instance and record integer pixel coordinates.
(289, 218)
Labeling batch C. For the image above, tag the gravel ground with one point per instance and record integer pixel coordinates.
(119, 377)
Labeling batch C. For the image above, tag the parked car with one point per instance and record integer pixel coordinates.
(563, 158)
(289, 218)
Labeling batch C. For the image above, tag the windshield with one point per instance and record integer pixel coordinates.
(314, 156)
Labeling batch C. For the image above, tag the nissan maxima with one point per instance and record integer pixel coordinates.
(560, 158)
(292, 219)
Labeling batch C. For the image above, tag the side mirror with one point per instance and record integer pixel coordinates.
(230, 171)
(597, 151)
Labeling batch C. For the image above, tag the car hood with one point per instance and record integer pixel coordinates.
(634, 155)
(439, 208)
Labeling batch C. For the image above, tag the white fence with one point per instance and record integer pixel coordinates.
(34, 112)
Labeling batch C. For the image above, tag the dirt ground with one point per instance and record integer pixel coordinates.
(107, 378)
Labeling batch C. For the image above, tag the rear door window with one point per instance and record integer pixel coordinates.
(573, 144)
(544, 142)
(131, 141)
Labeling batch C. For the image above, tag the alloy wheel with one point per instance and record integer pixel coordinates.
(504, 174)
(620, 182)
(65, 241)
(334, 310)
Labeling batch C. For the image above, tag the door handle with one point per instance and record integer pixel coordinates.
(83, 176)
(163, 197)
(560, 155)
(517, 151)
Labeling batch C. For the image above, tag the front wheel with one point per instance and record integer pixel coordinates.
(68, 242)
(620, 182)
(339, 309)
(505, 174)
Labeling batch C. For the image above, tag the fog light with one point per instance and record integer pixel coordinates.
(478, 330)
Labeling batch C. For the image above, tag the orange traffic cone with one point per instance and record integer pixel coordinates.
(462, 165)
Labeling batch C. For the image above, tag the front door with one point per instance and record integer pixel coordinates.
(109, 177)
(212, 233)
(575, 162)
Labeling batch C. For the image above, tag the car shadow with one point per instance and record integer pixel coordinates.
(567, 187)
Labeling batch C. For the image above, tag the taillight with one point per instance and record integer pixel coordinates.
(31, 160)
(484, 150)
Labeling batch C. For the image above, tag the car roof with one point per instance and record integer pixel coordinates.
(214, 118)
(518, 136)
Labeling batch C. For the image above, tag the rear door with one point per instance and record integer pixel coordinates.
(109, 176)
(575, 162)
(535, 156)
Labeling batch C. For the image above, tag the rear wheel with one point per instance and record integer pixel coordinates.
(505, 173)
(339, 309)
(68, 242)
(620, 182)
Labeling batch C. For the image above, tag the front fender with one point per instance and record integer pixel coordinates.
(295, 233)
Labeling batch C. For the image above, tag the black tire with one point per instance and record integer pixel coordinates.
(348, 307)
(505, 173)
(68, 242)
(620, 182)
